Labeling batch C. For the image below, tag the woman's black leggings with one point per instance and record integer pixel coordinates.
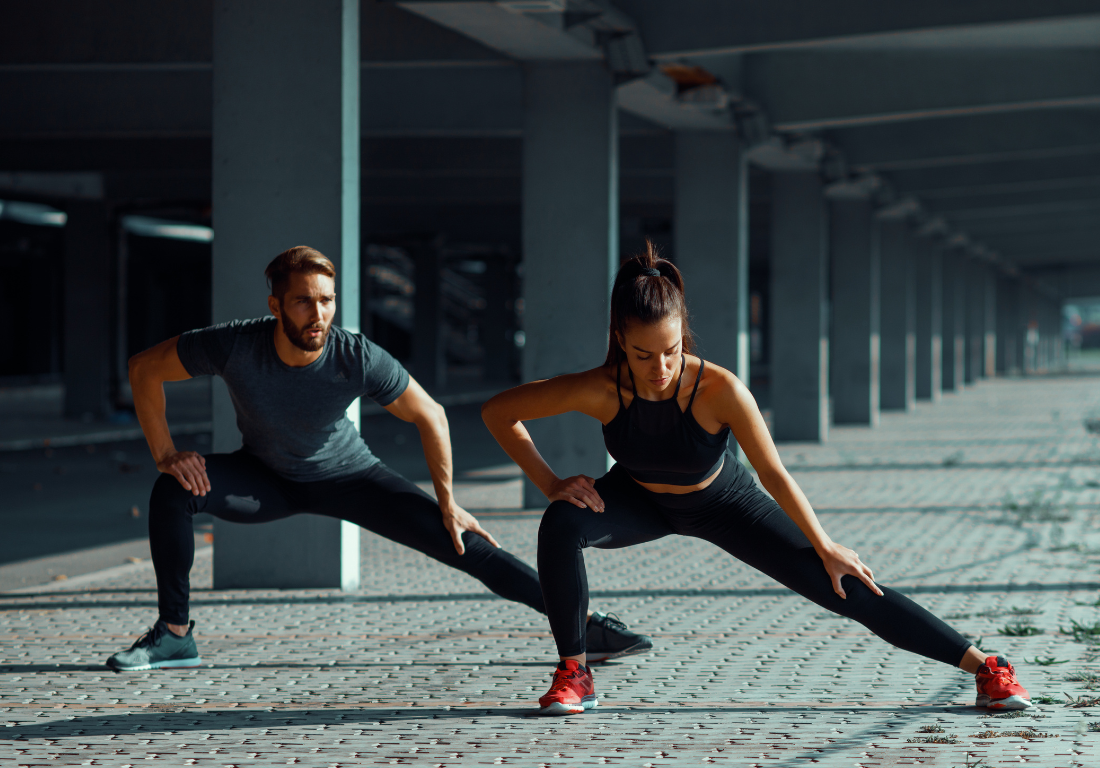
(244, 490)
(738, 517)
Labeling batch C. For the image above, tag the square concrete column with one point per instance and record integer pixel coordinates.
(799, 308)
(570, 246)
(989, 341)
(286, 173)
(898, 323)
(89, 292)
(974, 364)
(1028, 334)
(928, 298)
(954, 323)
(711, 231)
(1007, 362)
(854, 343)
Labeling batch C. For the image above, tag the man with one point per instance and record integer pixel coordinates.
(292, 377)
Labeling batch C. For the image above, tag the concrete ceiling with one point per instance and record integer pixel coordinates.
(987, 112)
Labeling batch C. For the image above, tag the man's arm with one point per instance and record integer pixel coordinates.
(416, 406)
(148, 372)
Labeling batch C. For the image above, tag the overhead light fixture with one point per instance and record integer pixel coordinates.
(35, 214)
(168, 230)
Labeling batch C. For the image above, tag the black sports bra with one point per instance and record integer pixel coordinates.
(656, 442)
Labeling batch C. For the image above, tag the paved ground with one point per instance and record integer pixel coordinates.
(983, 508)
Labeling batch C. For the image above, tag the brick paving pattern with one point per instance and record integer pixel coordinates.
(983, 508)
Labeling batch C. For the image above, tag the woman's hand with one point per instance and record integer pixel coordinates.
(189, 468)
(578, 490)
(840, 561)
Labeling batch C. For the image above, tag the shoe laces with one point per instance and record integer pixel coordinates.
(611, 621)
(562, 678)
(150, 637)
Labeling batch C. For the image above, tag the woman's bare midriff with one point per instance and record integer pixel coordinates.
(665, 488)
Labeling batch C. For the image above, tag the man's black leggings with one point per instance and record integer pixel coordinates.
(243, 490)
(738, 517)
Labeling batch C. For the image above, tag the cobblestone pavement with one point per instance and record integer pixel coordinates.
(983, 508)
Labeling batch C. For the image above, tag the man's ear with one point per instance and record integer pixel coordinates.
(273, 305)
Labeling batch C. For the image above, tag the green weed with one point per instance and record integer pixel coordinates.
(1020, 629)
(930, 729)
(1045, 700)
(1089, 680)
(1046, 661)
(934, 740)
(1082, 633)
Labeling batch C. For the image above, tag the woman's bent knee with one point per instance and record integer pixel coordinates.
(563, 525)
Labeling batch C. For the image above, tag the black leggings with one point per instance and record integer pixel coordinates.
(738, 517)
(244, 490)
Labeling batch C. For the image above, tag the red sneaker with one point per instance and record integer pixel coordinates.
(572, 691)
(997, 686)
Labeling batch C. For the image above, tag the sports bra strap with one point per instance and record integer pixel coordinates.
(683, 367)
(698, 378)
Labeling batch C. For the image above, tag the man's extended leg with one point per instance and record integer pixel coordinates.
(385, 503)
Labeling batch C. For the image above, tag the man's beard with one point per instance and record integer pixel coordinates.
(298, 336)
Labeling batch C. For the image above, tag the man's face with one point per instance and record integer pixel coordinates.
(306, 310)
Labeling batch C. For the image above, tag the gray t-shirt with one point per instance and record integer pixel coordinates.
(293, 418)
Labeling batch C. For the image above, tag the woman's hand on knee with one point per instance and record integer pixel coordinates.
(840, 561)
(579, 490)
(189, 468)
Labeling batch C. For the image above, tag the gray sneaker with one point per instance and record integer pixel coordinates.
(158, 648)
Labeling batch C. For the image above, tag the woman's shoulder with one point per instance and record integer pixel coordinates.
(715, 381)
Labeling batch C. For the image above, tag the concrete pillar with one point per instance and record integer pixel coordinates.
(1030, 324)
(854, 343)
(1007, 363)
(89, 282)
(954, 309)
(799, 311)
(711, 230)
(498, 340)
(286, 172)
(989, 342)
(570, 246)
(928, 310)
(898, 323)
(429, 363)
(974, 364)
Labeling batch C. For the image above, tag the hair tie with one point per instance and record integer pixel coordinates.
(651, 272)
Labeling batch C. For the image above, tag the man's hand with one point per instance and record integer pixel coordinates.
(190, 469)
(841, 561)
(457, 521)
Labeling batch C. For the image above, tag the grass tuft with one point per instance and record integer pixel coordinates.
(933, 740)
(1046, 661)
(1020, 629)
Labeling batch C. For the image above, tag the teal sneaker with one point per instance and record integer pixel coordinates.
(159, 648)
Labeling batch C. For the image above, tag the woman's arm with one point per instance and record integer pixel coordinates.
(504, 416)
(733, 404)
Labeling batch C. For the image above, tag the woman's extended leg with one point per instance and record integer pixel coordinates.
(755, 530)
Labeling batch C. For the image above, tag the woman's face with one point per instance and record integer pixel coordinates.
(653, 353)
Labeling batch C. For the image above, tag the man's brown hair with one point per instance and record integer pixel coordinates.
(299, 259)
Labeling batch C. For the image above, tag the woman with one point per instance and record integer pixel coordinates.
(666, 419)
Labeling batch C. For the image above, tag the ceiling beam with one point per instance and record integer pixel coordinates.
(815, 90)
(969, 140)
(685, 27)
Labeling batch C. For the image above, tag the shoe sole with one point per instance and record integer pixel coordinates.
(167, 664)
(631, 651)
(1012, 702)
(561, 708)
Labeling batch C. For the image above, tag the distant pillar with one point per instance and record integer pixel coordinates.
(954, 324)
(1030, 329)
(974, 365)
(711, 228)
(854, 346)
(798, 312)
(89, 282)
(570, 246)
(989, 343)
(928, 295)
(498, 339)
(1007, 363)
(899, 343)
(428, 341)
(286, 173)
